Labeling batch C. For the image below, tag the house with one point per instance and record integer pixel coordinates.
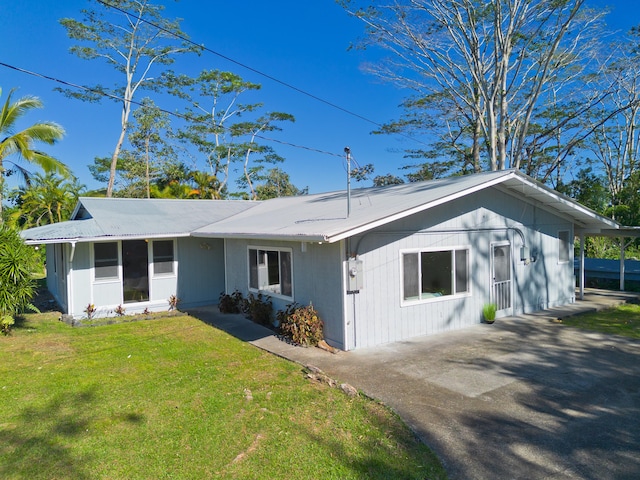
(389, 264)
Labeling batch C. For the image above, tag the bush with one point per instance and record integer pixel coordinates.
(258, 308)
(230, 303)
(302, 325)
(18, 262)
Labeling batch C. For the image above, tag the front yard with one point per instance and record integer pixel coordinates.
(175, 398)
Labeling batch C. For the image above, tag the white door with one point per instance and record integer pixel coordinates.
(501, 276)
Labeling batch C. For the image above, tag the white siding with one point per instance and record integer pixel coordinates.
(317, 278)
(476, 221)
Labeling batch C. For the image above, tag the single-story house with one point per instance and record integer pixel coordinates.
(379, 264)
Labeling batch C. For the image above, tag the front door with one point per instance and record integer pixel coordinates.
(135, 271)
(501, 276)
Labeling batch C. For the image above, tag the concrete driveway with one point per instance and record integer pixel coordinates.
(524, 398)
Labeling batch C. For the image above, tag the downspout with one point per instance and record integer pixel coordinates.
(69, 282)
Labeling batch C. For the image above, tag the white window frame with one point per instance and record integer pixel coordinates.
(564, 245)
(432, 299)
(174, 266)
(267, 291)
(118, 277)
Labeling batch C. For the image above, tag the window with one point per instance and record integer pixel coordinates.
(162, 257)
(563, 246)
(270, 271)
(433, 274)
(105, 260)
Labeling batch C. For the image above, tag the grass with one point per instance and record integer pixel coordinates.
(623, 320)
(174, 398)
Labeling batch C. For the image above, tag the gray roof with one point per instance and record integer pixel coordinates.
(113, 218)
(321, 217)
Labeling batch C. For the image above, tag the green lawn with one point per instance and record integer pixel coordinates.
(623, 320)
(174, 398)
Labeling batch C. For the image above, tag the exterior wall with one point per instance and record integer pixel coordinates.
(198, 279)
(316, 277)
(200, 271)
(476, 221)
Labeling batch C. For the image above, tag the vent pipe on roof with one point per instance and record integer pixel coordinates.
(347, 151)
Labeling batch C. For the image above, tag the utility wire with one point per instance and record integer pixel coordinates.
(168, 112)
(254, 70)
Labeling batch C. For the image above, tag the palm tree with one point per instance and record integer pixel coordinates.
(21, 144)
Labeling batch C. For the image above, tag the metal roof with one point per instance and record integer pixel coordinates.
(320, 217)
(323, 217)
(97, 219)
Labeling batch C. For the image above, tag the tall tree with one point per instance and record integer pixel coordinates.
(20, 144)
(482, 70)
(222, 128)
(148, 138)
(132, 37)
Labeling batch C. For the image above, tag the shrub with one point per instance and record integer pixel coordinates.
(6, 322)
(258, 308)
(17, 287)
(301, 324)
(120, 311)
(230, 303)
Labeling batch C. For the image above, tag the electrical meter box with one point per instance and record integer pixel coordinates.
(354, 276)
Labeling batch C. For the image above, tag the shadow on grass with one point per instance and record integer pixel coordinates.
(38, 444)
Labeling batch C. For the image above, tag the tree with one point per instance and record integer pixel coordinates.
(277, 184)
(133, 37)
(148, 140)
(217, 122)
(21, 144)
(46, 199)
(482, 71)
(18, 262)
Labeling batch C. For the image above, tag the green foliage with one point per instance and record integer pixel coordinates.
(489, 312)
(6, 322)
(18, 262)
(301, 324)
(47, 199)
(21, 144)
(258, 308)
(230, 303)
(277, 184)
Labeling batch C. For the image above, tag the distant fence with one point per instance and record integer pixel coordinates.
(608, 269)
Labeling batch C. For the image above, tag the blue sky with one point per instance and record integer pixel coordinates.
(301, 42)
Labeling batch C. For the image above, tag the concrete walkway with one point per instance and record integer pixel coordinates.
(523, 398)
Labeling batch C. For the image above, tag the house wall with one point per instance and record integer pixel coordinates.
(198, 280)
(56, 258)
(477, 221)
(200, 271)
(317, 278)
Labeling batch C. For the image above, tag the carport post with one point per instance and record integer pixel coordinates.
(581, 266)
(622, 248)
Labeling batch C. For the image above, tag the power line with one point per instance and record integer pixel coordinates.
(168, 112)
(254, 70)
